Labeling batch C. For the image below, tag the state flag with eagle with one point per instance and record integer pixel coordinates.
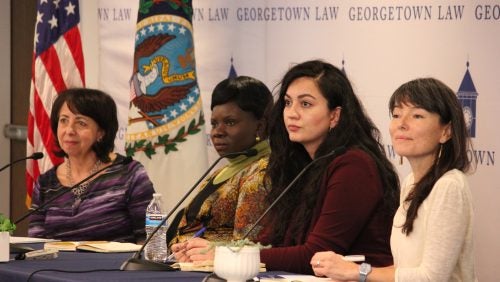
(166, 124)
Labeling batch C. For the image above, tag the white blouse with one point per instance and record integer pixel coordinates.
(440, 246)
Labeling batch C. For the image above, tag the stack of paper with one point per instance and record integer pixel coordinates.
(203, 266)
(93, 246)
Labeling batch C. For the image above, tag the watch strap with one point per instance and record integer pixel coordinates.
(364, 270)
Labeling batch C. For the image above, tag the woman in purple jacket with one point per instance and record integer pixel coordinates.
(111, 205)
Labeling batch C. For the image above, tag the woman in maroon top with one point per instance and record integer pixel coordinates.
(343, 203)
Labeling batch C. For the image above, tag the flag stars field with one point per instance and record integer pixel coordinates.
(53, 22)
(39, 17)
(70, 9)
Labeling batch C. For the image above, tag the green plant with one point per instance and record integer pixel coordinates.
(6, 225)
(236, 245)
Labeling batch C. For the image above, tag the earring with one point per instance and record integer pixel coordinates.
(257, 138)
(400, 160)
(440, 150)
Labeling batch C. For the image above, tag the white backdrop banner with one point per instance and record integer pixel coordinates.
(380, 44)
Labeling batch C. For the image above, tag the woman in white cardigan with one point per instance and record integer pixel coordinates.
(432, 230)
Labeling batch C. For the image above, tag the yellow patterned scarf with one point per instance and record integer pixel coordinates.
(237, 164)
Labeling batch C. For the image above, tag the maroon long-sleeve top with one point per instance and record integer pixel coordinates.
(348, 218)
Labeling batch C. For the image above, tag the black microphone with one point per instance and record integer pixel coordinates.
(34, 156)
(250, 152)
(335, 152)
(135, 262)
(124, 161)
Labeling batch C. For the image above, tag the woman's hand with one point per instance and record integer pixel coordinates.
(334, 266)
(197, 249)
(179, 251)
(193, 250)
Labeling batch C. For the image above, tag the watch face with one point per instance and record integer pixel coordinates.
(468, 117)
(365, 268)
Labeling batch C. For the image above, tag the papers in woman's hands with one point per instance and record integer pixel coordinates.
(93, 246)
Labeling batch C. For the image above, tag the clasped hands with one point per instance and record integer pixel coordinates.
(193, 250)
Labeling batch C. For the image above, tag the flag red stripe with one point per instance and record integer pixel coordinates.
(30, 180)
(42, 121)
(31, 140)
(52, 65)
(72, 38)
(31, 122)
(31, 118)
(29, 186)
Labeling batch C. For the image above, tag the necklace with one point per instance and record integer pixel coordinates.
(82, 188)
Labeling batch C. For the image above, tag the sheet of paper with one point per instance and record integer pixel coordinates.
(108, 247)
(27, 240)
(291, 277)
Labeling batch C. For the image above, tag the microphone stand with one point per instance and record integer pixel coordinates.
(17, 249)
(338, 151)
(136, 262)
(34, 156)
(21, 249)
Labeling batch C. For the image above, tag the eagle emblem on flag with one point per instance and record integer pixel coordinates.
(165, 104)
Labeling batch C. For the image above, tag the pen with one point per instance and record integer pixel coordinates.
(355, 258)
(200, 232)
(197, 234)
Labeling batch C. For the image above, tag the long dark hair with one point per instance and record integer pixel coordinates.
(434, 96)
(354, 129)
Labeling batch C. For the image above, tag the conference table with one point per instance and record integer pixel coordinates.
(91, 267)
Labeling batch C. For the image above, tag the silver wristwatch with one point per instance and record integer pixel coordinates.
(364, 270)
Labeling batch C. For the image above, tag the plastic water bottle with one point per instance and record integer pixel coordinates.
(156, 250)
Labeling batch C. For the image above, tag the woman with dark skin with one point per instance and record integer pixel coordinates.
(231, 199)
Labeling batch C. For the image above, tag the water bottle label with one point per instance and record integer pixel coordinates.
(154, 219)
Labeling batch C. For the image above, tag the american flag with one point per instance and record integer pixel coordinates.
(57, 65)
